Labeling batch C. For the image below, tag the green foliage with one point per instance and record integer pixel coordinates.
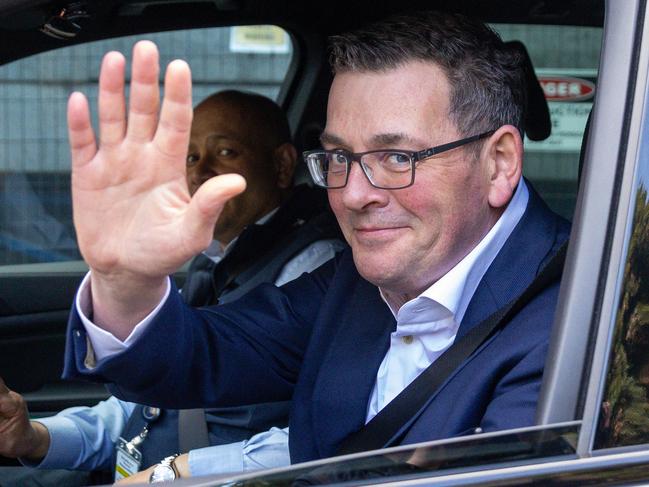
(625, 413)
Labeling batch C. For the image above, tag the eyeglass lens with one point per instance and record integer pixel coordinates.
(384, 169)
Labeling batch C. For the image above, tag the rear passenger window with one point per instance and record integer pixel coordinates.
(35, 204)
(566, 60)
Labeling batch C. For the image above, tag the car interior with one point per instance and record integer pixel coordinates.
(50, 48)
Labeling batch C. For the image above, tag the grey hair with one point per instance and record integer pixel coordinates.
(486, 78)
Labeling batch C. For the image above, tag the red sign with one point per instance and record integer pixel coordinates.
(563, 88)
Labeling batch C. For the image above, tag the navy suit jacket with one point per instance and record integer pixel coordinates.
(320, 340)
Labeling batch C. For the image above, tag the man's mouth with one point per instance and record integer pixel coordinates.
(378, 233)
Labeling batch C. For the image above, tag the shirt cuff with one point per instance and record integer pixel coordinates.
(220, 459)
(65, 444)
(102, 343)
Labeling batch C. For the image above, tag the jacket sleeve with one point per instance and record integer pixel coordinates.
(516, 395)
(244, 352)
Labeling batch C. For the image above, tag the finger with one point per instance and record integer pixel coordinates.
(10, 403)
(144, 98)
(172, 136)
(15, 402)
(82, 138)
(205, 208)
(112, 106)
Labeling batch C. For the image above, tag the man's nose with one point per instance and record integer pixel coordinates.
(192, 172)
(201, 167)
(196, 174)
(359, 192)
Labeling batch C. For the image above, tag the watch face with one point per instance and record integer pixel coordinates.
(163, 473)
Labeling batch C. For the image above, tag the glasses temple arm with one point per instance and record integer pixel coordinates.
(451, 145)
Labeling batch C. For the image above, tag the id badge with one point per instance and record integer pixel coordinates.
(128, 459)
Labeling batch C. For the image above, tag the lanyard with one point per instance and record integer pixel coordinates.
(128, 457)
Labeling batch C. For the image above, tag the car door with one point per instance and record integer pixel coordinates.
(594, 409)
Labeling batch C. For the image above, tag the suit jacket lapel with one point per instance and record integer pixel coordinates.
(514, 268)
(348, 372)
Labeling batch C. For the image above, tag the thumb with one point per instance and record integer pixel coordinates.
(206, 205)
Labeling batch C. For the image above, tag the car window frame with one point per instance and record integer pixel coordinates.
(589, 292)
(586, 307)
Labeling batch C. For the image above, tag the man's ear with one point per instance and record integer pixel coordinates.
(504, 154)
(285, 160)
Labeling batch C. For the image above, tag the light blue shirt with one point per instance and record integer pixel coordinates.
(268, 449)
(83, 438)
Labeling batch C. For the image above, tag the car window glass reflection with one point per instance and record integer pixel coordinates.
(624, 415)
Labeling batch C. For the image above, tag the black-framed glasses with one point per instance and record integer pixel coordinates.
(384, 169)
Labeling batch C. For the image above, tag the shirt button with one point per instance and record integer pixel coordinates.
(407, 339)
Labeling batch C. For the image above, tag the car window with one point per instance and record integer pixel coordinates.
(565, 59)
(35, 204)
(425, 460)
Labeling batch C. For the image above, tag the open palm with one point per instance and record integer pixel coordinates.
(135, 220)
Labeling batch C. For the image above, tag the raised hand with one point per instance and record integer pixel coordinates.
(135, 220)
(18, 436)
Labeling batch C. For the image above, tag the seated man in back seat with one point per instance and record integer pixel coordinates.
(272, 232)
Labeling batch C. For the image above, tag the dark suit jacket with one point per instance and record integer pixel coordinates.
(320, 340)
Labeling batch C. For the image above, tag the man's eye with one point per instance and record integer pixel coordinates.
(395, 161)
(192, 159)
(226, 152)
(339, 158)
(398, 159)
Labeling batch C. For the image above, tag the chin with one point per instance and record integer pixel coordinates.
(374, 271)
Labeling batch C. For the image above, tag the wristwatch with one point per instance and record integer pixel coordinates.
(165, 471)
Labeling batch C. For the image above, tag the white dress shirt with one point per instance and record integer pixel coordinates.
(216, 251)
(427, 324)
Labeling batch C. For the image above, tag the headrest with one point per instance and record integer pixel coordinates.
(537, 114)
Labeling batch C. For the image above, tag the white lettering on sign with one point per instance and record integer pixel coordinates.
(553, 88)
(560, 88)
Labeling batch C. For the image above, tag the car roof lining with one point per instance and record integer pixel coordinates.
(21, 20)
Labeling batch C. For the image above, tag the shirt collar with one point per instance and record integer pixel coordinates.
(215, 251)
(455, 289)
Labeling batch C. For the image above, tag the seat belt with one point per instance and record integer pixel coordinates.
(386, 427)
(192, 430)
